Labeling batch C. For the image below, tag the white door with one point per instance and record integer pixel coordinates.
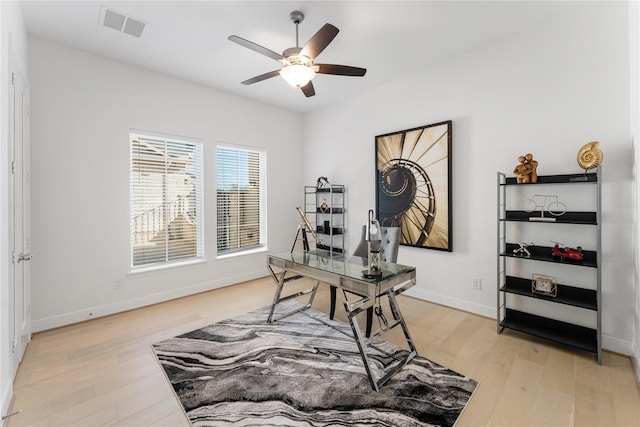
(19, 214)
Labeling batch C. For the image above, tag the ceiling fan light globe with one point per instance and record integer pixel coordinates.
(297, 75)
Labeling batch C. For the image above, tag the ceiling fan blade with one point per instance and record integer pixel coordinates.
(340, 70)
(308, 89)
(319, 41)
(256, 47)
(261, 77)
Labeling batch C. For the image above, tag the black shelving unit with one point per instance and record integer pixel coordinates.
(577, 336)
(325, 209)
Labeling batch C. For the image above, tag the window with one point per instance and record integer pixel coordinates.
(241, 198)
(166, 201)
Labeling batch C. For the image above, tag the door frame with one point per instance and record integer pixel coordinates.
(19, 212)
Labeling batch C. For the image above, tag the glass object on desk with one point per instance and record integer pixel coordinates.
(372, 234)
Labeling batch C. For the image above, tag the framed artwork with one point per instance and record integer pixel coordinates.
(413, 184)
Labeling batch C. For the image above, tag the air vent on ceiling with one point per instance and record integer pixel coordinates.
(121, 22)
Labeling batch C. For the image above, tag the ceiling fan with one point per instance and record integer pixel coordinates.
(298, 67)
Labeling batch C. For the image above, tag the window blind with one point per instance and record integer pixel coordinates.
(240, 198)
(166, 200)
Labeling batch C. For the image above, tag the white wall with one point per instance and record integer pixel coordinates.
(634, 55)
(83, 107)
(12, 45)
(546, 91)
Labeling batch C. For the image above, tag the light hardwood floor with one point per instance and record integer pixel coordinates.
(102, 372)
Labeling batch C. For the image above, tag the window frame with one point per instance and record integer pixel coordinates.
(262, 246)
(199, 256)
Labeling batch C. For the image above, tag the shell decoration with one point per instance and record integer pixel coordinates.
(590, 156)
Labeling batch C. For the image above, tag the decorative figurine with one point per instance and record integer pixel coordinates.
(569, 253)
(522, 250)
(322, 182)
(590, 156)
(526, 170)
(539, 202)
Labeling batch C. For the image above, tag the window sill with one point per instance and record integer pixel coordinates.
(166, 267)
(243, 253)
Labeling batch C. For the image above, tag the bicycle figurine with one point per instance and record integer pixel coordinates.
(555, 208)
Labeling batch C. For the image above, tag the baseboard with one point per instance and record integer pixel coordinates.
(459, 304)
(617, 345)
(635, 361)
(609, 342)
(7, 397)
(130, 304)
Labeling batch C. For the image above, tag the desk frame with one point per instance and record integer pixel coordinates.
(367, 292)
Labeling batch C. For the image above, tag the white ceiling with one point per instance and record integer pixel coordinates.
(188, 39)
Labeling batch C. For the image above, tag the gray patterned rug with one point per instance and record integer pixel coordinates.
(300, 372)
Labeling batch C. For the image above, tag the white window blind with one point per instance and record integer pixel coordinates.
(166, 201)
(240, 198)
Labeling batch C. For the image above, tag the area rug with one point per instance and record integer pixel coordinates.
(304, 370)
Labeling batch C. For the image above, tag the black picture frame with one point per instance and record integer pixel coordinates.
(413, 184)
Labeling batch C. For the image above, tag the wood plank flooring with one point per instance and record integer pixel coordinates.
(102, 372)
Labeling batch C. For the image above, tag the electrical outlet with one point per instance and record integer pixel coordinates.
(117, 284)
(476, 284)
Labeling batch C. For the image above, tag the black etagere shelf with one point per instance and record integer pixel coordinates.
(321, 210)
(325, 208)
(575, 295)
(331, 189)
(562, 332)
(584, 218)
(543, 253)
(568, 295)
(571, 178)
(333, 230)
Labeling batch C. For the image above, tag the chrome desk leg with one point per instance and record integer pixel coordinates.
(397, 314)
(278, 298)
(362, 344)
(357, 334)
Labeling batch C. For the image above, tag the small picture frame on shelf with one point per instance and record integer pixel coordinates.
(544, 285)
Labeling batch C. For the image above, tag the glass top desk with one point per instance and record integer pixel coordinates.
(345, 273)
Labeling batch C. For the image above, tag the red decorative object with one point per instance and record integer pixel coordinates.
(571, 253)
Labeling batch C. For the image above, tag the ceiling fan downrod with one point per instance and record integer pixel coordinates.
(297, 17)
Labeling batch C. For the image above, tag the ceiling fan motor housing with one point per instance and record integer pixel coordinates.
(293, 56)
